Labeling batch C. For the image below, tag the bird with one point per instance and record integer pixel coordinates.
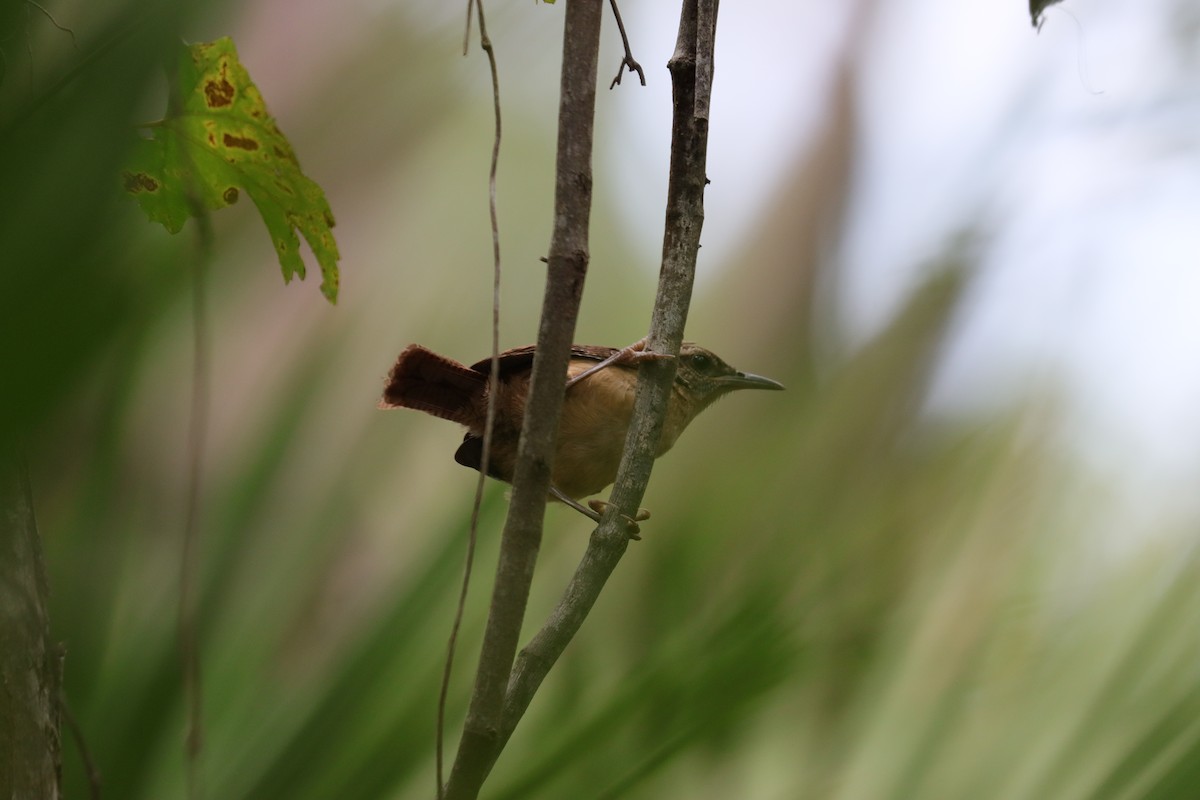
(597, 407)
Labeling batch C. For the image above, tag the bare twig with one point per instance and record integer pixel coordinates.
(189, 561)
(628, 62)
(467, 28)
(494, 381)
(567, 269)
(681, 243)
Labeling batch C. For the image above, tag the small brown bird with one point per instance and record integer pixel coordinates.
(595, 415)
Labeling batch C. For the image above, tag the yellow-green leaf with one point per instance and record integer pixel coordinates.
(217, 141)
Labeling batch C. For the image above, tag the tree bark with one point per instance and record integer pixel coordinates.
(496, 710)
(691, 78)
(566, 270)
(30, 662)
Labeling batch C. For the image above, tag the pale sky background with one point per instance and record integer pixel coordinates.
(1076, 145)
(1073, 148)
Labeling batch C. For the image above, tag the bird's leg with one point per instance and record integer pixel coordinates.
(597, 507)
(573, 503)
(632, 354)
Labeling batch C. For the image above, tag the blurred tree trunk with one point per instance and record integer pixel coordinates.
(30, 663)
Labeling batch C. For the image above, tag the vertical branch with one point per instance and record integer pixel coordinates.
(681, 245)
(493, 389)
(85, 753)
(567, 269)
(189, 562)
(706, 32)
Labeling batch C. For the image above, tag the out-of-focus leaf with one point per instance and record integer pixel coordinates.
(218, 139)
(1037, 8)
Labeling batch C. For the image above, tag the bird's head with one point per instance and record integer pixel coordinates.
(704, 377)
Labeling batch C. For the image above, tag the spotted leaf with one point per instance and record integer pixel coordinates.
(218, 141)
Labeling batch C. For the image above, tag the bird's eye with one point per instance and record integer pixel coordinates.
(700, 362)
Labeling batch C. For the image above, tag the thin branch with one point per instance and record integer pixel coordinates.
(681, 244)
(628, 62)
(86, 62)
(189, 562)
(189, 566)
(54, 22)
(89, 763)
(30, 4)
(567, 269)
(467, 28)
(494, 382)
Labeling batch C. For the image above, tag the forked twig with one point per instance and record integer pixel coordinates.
(685, 217)
(681, 243)
(628, 62)
(521, 538)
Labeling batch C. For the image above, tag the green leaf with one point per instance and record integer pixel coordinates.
(218, 140)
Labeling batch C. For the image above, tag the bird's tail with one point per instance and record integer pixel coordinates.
(434, 384)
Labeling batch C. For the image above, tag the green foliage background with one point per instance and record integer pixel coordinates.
(838, 596)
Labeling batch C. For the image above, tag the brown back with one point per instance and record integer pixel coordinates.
(521, 358)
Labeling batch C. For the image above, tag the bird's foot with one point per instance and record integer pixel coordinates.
(595, 508)
(637, 352)
(631, 523)
(633, 354)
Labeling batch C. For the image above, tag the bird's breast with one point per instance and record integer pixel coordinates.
(591, 431)
(595, 420)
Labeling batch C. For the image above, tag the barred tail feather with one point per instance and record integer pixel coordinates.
(426, 381)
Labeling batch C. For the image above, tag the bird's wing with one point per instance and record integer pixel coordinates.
(520, 358)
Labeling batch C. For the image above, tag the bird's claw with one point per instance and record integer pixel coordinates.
(633, 354)
(637, 352)
(631, 523)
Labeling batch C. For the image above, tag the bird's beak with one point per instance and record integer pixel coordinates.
(747, 380)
